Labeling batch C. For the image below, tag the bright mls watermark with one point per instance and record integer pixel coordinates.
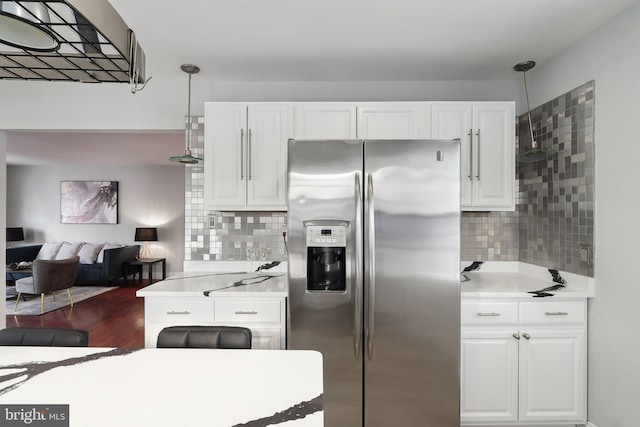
(34, 415)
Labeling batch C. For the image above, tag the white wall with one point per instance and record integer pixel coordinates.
(163, 104)
(3, 200)
(611, 57)
(148, 196)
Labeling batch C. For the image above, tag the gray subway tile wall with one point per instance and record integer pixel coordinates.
(554, 201)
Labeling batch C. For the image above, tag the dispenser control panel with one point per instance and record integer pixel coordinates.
(326, 235)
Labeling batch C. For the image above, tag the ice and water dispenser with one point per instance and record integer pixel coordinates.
(326, 258)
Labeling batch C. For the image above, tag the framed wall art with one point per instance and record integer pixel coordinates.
(89, 202)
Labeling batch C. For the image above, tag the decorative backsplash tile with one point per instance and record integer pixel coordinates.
(554, 213)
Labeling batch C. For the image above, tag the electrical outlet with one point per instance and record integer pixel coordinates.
(586, 255)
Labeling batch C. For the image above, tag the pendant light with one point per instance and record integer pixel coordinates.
(535, 153)
(21, 26)
(187, 158)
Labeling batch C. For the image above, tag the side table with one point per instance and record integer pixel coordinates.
(149, 263)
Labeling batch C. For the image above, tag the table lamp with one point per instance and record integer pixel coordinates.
(14, 234)
(146, 235)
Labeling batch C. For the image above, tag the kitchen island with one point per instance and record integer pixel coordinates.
(256, 300)
(81, 386)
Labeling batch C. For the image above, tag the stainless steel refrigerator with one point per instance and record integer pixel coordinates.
(374, 269)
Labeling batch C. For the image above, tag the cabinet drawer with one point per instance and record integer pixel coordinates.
(488, 313)
(553, 312)
(178, 312)
(239, 311)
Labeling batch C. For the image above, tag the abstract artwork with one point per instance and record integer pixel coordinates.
(89, 202)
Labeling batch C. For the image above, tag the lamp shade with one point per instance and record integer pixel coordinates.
(146, 234)
(15, 234)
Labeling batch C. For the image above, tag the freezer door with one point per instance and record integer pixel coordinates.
(412, 295)
(325, 188)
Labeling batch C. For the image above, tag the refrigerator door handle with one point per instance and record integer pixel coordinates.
(357, 289)
(371, 234)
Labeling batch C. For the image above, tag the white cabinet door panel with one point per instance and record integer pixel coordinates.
(394, 121)
(324, 121)
(552, 375)
(489, 375)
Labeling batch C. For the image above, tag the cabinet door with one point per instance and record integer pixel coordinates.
(489, 375)
(451, 121)
(267, 135)
(325, 121)
(553, 375)
(394, 121)
(266, 339)
(494, 155)
(225, 155)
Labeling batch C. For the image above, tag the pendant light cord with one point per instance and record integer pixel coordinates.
(188, 135)
(534, 144)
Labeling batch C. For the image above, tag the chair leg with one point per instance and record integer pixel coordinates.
(42, 303)
(70, 299)
(17, 301)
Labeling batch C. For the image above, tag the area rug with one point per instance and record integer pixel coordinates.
(32, 305)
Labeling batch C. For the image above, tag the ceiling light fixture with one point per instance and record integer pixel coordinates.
(21, 26)
(187, 158)
(535, 153)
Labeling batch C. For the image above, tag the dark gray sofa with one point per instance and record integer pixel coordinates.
(110, 269)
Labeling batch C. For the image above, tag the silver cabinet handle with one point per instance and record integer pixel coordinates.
(470, 134)
(371, 228)
(516, 336)
(357, 288)
(178, 312)
(527, 336)
(249, 154)
(478, 155)
(488, 314)
(241, 154)
(246, 312)
(556, 313)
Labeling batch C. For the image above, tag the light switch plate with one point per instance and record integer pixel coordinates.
(586, 255)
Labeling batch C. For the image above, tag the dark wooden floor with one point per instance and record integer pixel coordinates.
(113, 319)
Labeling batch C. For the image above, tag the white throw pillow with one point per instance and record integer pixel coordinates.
(89, 252)
(49, 250)
(68, 250)
(107, 246)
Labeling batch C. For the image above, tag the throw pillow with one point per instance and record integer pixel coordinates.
(68, 250)
(107, 246)
(49, 250)
(89, 252)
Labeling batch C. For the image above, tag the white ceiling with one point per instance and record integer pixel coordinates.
(328, 40)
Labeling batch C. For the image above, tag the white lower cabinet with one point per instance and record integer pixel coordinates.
(265, 317)
(523, 362)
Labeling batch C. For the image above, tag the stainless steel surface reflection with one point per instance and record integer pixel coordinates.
(390, 340)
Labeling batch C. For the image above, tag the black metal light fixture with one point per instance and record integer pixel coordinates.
(69, 40)
(146, 235)
(187, 158)
(535, 153)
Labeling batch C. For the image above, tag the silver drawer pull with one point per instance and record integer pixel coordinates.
(246, 312)
(488, 314)
(178, 312)
(556, 313)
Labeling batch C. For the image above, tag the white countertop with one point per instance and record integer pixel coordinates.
(165, 387)
(224, 284)
(516, 279)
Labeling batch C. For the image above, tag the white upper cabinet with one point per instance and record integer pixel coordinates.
(324, 120)
(487, 134)
(246, 155)
(379, 120)
(391, 120)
